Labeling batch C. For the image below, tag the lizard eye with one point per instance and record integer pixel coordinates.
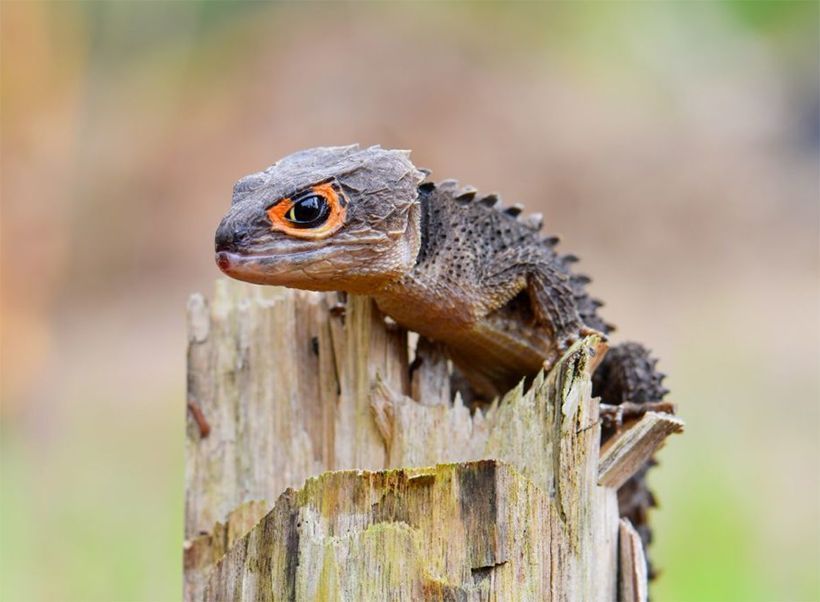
(314, 214)
(308, 212)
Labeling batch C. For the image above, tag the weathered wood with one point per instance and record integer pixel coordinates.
(471, 531)
(632, 586)
(286, 385)
(430, 374)
(282, 380)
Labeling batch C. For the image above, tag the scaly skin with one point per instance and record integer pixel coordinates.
(439, 260)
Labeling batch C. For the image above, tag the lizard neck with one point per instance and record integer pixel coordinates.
(420, 299)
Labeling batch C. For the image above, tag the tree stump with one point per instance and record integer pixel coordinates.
(319, 468)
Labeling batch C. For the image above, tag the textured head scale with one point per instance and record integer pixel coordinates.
(367, 235)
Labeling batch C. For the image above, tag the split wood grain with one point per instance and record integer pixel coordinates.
(632, 586)
(294, 384)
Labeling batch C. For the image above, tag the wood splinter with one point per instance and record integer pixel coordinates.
(626, 452)
(633, 575)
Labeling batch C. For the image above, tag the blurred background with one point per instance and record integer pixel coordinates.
(674, 146)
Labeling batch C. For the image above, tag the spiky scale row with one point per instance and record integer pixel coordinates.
(491, 200)
(514, 210)
(464, 195)
(534, 221)
(468, 194)
(630, 352)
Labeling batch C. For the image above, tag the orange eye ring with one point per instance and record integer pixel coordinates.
(284, 215)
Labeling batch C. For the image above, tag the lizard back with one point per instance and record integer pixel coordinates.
(469, 287)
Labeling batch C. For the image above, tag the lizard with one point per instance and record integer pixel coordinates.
(454, 266)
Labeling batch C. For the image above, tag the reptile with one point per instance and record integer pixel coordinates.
(454, 266)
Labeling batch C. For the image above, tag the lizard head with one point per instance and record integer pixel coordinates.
(334, 218)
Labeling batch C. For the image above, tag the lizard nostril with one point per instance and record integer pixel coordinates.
(240, 234)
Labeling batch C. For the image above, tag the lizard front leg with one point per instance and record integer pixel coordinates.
(554, 305)
(552, 299)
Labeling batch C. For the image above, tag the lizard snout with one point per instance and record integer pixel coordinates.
(230, 237)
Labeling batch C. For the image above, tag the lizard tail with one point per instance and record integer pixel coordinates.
(627, 374)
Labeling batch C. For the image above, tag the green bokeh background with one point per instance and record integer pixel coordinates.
(673, 144)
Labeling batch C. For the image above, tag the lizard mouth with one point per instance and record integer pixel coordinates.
(283, 268)
(226, 261)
